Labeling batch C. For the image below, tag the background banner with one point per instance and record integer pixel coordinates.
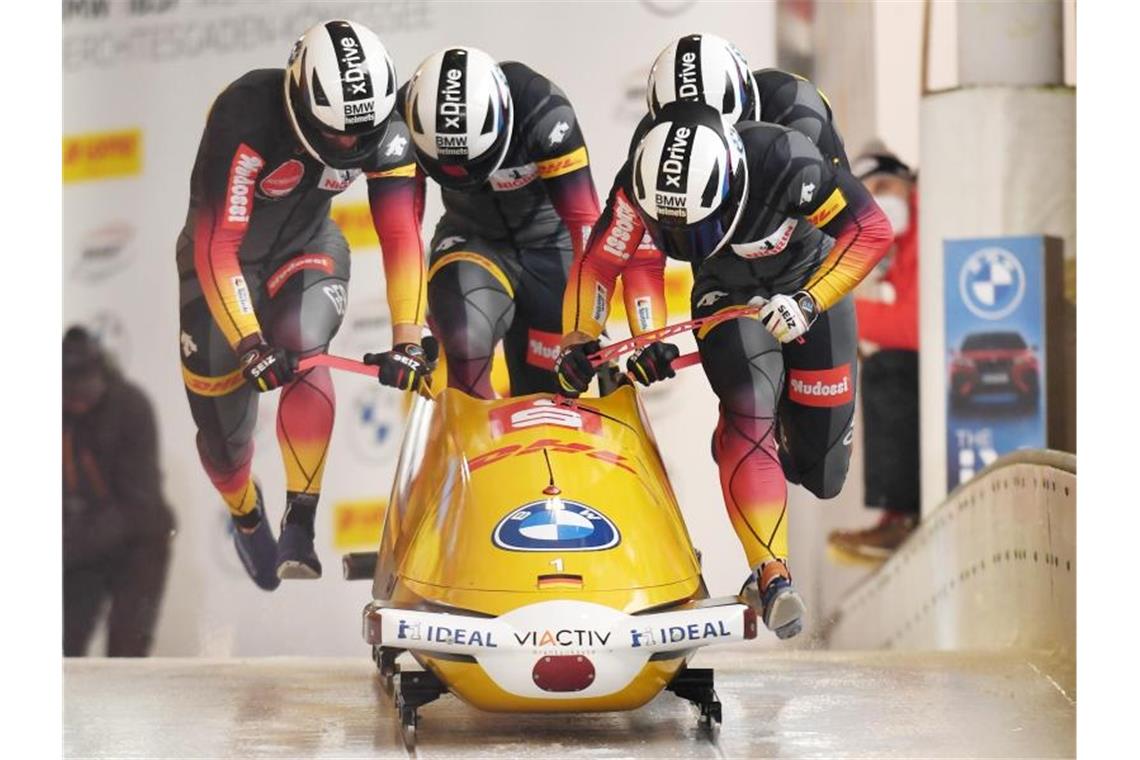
(996, 304)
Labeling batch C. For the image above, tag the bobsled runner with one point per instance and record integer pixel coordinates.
(533, 558)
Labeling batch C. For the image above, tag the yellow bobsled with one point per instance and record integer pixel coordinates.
(534, 558)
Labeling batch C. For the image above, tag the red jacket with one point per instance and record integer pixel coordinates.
(895, 325)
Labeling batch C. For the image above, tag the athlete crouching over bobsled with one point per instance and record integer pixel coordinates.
(534, 558)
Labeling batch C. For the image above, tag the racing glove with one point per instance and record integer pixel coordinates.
(653, 363)
(574, 369)
(404, 367)
(265, 368)
(788, 317)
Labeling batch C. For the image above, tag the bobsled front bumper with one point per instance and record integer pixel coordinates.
(560, 625)
(559, 654)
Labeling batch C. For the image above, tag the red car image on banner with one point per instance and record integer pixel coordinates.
(992, 363)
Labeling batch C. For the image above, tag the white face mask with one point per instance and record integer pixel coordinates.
(897, 212)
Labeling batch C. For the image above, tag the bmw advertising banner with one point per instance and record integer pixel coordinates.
(996, 300)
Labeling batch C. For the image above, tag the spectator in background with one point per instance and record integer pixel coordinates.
(887, 310)
(116, 525)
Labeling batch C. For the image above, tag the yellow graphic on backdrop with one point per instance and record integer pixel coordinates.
(101, 155)
(356, 524)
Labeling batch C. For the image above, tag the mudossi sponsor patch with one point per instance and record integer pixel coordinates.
(821, 387)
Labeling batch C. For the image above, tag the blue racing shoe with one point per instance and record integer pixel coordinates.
(296, 558)
(772, 594)
(257, 550)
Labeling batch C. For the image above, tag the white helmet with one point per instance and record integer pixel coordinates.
(340, 83)
(459, 111)
(690, 180)
(707, 68)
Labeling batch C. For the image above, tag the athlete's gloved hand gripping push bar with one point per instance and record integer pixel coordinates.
(786, 317)
(405, 366)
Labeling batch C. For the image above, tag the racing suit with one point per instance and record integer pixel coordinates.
(500, 254)
(786, 410)
(260, 259)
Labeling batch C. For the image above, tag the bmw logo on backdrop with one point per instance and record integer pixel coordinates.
(992, 283)
(571, 527)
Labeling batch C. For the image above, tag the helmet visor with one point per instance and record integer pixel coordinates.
(694, 242)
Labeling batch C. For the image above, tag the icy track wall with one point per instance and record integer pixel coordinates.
(993, 568)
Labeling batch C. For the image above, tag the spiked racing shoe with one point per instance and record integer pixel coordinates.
(257, 549)
(772, 593)
(296, 557)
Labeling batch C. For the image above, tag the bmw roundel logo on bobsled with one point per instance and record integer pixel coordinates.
(555, 525)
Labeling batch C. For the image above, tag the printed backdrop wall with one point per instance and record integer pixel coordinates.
(139, 78)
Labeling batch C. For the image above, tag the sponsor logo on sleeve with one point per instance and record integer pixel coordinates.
(556, 167)
(282, 180)
(244, 167)
(821, 387)
(396, 146)
(644, 308)
(189, 347)
(241, 293)
(337, 180)
(102, 155)
(512, 178)
(620, 239)
(828, 209)
(769, 246)
(807, 192)
(601, 302)
(558, 134)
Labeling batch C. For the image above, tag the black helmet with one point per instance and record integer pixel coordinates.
(340, 83)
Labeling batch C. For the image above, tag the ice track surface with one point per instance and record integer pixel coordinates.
(776, 704)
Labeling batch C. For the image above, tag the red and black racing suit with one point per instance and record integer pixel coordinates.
(808, 224)
(500, 253)
(260, 259)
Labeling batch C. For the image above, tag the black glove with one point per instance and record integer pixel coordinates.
(573, 369)
(265, 367)
(404, 367)
(653, 363)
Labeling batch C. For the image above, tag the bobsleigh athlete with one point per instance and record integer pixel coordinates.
(505, 146)
(264, 271)
(700, 68)
(704, 68)
(763, 218)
